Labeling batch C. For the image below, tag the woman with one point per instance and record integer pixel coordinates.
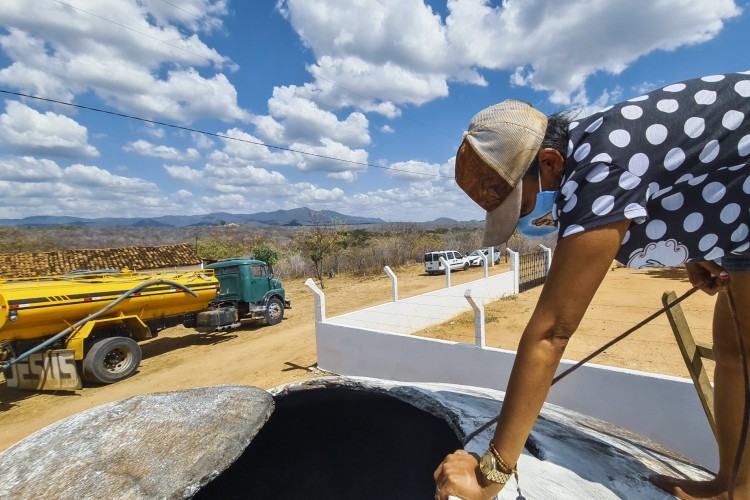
(659, 180)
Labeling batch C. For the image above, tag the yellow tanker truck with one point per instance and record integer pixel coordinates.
(57, 330)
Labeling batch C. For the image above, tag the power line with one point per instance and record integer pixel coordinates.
(133, 29)
(213, 134)
(314, 73)
(183, 10)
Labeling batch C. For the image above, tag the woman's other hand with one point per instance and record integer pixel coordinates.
(707, 276)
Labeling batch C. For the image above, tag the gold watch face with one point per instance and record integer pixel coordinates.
(487, 463)
(488, 467)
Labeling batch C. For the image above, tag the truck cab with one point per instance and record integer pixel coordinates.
(248, 290)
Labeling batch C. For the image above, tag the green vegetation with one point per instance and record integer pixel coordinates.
(266, 253)
(321, 251)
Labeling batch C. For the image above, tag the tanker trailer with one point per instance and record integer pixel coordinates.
(56, 330)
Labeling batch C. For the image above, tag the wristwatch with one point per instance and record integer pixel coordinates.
(490, 468)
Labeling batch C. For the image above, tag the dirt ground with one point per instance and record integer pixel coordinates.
(267, 357)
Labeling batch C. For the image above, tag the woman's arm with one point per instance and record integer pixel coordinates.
(580, 263)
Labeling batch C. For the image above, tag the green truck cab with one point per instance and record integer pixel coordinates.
(248, 290)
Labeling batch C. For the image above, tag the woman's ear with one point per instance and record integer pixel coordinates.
(552, 161)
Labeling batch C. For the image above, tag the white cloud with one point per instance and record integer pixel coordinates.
(183, 173)
(196, 15)
(414, 171)
(154, 131)
(402, 52)
(202, 141)
(145, 148)
(304, 121)
(424, 201)
(243, 176)
(225, 203)
(133, 55)
(227, 178)
(387, 129)
(325, 155)
(32, 186)
(101, 180)
(27, 131)
(183, 195)
(372, 87)
(28, 169)
(556, 46)
(241, 147)
(331, 157)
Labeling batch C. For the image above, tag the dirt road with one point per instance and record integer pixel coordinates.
(266, 357)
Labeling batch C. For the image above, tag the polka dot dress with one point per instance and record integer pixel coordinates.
(676, 162)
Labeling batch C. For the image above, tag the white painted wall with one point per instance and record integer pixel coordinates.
(374, 343)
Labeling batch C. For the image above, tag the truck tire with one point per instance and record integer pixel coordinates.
(274, 312)
(466, 266)
(111, 359)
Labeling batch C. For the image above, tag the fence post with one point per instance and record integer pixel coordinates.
(320, 301)
(491, 255)
(394, 282)
(515, 267)
(484, 260)
(447, 272)
(547, 258)
(479, 339)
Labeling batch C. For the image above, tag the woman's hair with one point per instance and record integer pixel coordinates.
(555, 137)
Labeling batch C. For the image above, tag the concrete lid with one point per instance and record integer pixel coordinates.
(163, 445)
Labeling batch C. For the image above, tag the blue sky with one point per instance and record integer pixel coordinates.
(363, 101)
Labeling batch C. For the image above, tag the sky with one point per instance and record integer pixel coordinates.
(356, 106)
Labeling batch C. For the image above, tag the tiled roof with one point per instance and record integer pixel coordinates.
(22, 265)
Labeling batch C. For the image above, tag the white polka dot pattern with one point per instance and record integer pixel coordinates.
(675, 162)
(656, 134)
(694, 127)
(632, 112)
(667, 105)
(732, 119)
(619, 138)
(675, 157)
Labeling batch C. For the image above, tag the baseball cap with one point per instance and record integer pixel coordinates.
(497, 150)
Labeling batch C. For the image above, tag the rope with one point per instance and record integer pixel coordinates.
(594, 354)
(623, 335)
(746, 408)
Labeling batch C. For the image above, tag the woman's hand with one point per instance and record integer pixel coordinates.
(459, 476)
(708, 276)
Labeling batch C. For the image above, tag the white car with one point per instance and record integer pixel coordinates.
(456, 261)
(475, 258)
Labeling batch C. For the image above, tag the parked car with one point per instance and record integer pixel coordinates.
(456, 261)
(475, 257)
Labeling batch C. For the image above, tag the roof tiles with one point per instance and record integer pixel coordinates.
(22, 265)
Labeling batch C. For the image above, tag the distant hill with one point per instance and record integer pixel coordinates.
(294, 217)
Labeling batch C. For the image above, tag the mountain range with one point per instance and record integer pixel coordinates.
(287, 218)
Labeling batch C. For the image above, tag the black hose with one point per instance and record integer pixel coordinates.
(85, 320)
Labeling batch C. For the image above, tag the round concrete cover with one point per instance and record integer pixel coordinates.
(164, 445)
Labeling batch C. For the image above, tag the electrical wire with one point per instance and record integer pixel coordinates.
(213, 134)
(133, 30)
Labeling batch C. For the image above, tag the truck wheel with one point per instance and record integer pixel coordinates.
(111, 359)
(466, 266)
(274, 311)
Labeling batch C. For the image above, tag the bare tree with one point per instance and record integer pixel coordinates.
(320, 242)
